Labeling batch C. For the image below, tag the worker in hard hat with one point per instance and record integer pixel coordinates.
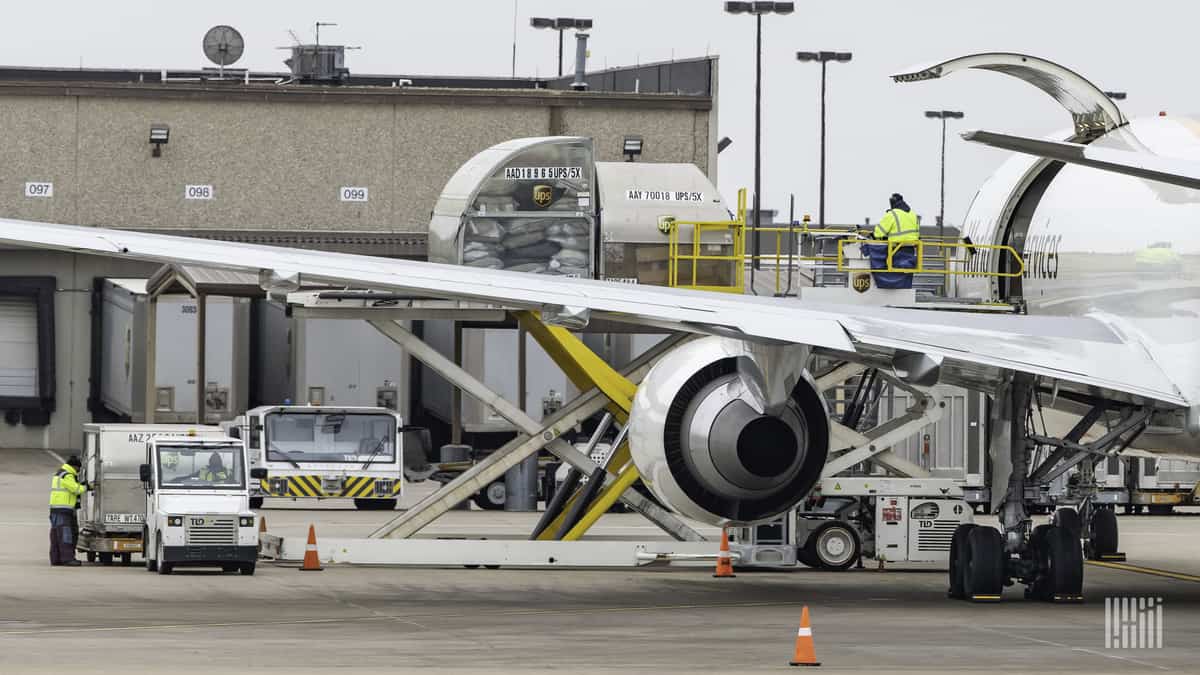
(65, 491)
(900, 229)
(215, 472)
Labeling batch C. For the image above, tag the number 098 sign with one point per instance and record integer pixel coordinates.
(198, 192)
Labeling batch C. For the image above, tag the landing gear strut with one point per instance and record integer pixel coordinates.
(1047, 559)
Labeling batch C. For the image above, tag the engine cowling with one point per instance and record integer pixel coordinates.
(705, 444)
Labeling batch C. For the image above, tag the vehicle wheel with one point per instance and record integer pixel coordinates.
(1064, 564)
(91, 556)
(1104, 539)
(151, 563)
(1036, 550)
(491, 498)
(106, 558)
(958, 558)
(834, 546)
(256, 503)
(1161, 509)
(164, 567)
(804, 555)
(247, 569)
(983, 574)
(1069, 518)
(126, 559)
(230, 568)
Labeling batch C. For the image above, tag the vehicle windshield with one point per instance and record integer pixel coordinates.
(350, 438)
(201, 468)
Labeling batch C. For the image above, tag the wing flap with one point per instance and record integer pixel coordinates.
(1183, 173)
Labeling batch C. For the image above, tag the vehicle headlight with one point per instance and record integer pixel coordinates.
(175, 521)
(246, 521)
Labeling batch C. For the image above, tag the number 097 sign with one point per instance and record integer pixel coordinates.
(39, 189)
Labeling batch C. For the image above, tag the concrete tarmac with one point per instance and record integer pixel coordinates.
(125, 620)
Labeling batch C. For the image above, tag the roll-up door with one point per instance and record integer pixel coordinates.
(18, 347)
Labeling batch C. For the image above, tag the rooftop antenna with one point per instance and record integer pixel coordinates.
(223, 45)
(295, 38)
(319, 24)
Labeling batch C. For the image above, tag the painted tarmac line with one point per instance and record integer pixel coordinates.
(409, 618)
(1125, 567)
(57, 457)
(1060, 645)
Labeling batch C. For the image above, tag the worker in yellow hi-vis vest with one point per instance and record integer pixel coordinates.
(65, 491)
(900, 229)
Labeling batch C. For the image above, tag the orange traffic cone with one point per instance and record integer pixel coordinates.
(724, 561)
(312, 563)
(805, 654)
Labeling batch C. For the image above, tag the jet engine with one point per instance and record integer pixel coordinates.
(711, 444)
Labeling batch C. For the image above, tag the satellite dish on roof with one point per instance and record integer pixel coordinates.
(223, 45)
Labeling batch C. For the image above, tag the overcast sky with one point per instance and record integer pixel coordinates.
(878, 138)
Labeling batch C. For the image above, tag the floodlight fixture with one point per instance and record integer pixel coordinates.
(632, 147)
(160, 134)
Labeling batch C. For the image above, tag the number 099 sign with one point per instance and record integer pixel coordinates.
(353, 194)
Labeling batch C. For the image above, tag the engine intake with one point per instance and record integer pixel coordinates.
(707, 448)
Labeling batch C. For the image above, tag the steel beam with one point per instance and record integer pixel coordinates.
(874, 445)
(536, 436)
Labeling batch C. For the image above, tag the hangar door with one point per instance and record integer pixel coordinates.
(18, 347)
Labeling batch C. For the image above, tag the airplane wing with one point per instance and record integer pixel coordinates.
(1095, 352)
(1181, 172)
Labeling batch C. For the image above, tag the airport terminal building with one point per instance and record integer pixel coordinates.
(354, 165)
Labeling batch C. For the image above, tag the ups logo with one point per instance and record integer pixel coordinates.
(543, 195)
(861, 282)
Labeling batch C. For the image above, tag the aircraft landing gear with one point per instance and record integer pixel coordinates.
(1048, 560)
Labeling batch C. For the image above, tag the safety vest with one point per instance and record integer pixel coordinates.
(220, 474)
(898, 226)
(64, 488)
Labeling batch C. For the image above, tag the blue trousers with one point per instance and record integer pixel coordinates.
(905, 257)
(64, 533)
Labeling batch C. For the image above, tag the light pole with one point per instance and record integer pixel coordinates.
(823, 58)
(561, 24)
(943, 115)
(758, 9)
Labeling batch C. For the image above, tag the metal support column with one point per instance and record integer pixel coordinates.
(150, 387)
(1014, 519)
(456, 430)
(201, 353)
(536, 436)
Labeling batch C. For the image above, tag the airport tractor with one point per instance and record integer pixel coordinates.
(113, 513)
(323, 452)
(197, 505)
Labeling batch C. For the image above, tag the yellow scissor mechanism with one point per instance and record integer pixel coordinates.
(587, 370)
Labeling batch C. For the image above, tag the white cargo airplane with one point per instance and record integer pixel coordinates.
(732, 428)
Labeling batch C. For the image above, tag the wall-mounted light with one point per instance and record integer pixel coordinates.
(725, 142)
(160, 134)
(632, 147)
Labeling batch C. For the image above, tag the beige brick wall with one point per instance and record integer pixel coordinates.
(279, 165)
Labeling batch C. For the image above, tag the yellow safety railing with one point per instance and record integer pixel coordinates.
(935, 255)
(676, 255)
(946, 252)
